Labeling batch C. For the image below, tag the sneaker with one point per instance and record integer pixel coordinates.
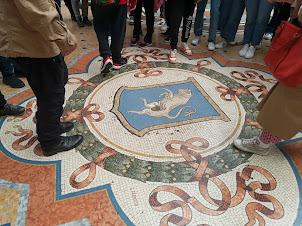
(164, 27)
(185, 48)
(259, 46)
(119, 64)
(131, 20)
(232, 43)
(74, 19)
(251, 145)
(268, 36)
(223, 43)
(80, 22)
(107, 65)
(250, 52)
(166, 33)
(167, 40)
(196, 40)
(10, 109)
(134, 41)
(243, 51)
(145, 44)
(13, 82)
(172, 56)
(86, 21)
(211, 46)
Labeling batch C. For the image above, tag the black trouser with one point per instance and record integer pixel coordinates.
(47, 78)
(149, 9)
(110, 21)
(69, 6)
(178, 10)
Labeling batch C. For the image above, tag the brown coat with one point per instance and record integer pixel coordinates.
(281, 111)
(32, 28)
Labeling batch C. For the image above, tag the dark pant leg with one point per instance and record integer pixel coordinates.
(274, 20)
(167, 14)
(137, 13)
(187, 20)
(149, 9)
(2, 101)
(69, 6)
(118, 31)
(176, 12)
(284, 14)
(102, 30)
(6, 67)
(47, 78)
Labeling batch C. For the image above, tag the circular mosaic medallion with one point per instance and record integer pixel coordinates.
(148, 116)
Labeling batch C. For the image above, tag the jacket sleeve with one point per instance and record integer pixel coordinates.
(43, 17)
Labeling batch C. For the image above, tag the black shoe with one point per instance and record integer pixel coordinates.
(67, 143)
(10, 109)
(13, 82)
(120, 63)
(134, 41)
(145, 44)
(107, 65)
(166, 33)
(66, 127)
(74, 19)
(80, 22)
(167, 40)
(86, 21)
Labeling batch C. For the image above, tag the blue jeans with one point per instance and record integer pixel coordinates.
(225, 12)
(214, 20)
(6, 67)
(230, 28)
(258, 15)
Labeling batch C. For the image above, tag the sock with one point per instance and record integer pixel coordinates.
(269, 138)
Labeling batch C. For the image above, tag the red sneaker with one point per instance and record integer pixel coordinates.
(107, 65)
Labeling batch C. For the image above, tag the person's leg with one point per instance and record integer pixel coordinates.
(252, 7)
(230, 28)
(176, 12)
(9, 109)
(149, 10)
(84, 8)
(102, 31)
(187, 20)
(215, 6)
(264, 11)
(69, 6)
(47, 78)
(198, 23)
(118, 31)
(137, 13)
(284, 14)
(225, 11)
(274, 20)
(9, 77)
(76, 10)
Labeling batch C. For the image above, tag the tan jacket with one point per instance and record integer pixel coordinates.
(32, 28)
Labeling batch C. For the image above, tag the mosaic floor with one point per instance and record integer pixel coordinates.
(142, 164)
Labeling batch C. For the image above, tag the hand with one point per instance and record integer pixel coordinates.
(67, 52)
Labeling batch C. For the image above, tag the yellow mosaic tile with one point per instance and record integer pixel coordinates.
(8, 205)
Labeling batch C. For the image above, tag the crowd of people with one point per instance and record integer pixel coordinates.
(35, 40)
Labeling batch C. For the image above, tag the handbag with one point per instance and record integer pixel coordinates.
(284, 57)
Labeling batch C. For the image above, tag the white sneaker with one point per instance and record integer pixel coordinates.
(268, 36)
(251, 145)
(164, 27)
(232, 43)
(172, 56)
(239, 42)
(250, 52)
(211, 46)
(196, 40)
(243, 51)
(131, 20)
(223, 43)
(185, 48)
